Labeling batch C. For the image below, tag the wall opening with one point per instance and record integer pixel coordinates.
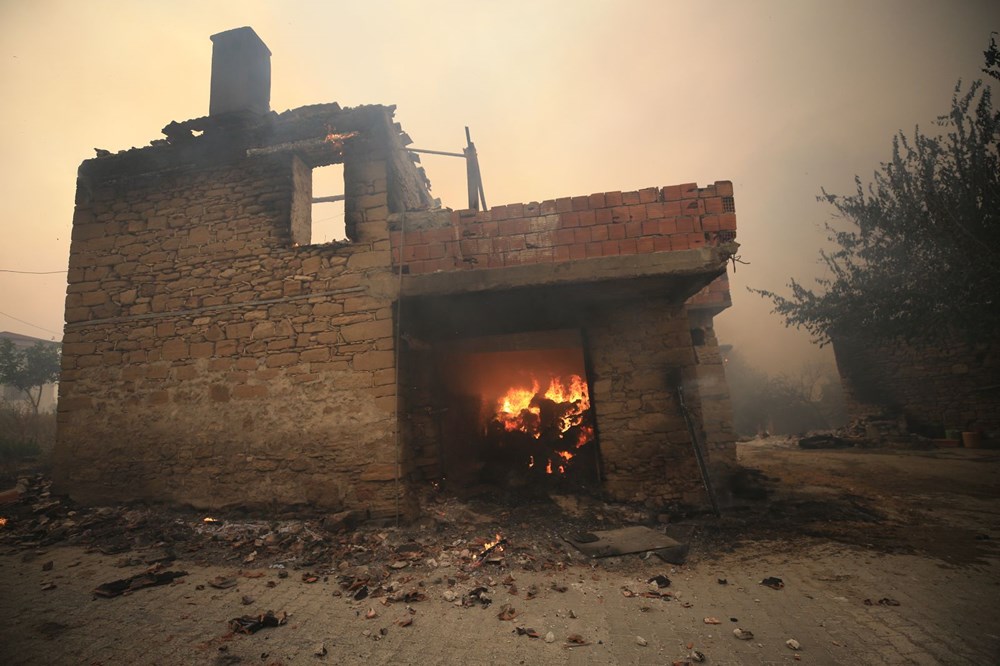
(327, 211)
(517, 412)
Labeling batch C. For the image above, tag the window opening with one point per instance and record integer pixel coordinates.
(327, 209)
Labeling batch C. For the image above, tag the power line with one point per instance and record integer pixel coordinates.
(8, 270)
(28, 323)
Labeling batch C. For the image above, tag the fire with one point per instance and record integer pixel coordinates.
(208, 519)
(554, 415)
(3, 521)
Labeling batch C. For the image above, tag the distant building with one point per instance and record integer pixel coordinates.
(10, 394)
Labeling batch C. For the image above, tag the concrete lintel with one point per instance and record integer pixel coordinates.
(705, 260)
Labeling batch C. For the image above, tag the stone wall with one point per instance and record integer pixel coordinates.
(935, 387)
(209, 360)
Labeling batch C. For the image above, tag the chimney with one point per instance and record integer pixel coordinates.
(241, 73)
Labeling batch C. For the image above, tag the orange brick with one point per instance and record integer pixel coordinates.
(564, 205)
(587, 218)
(637, 213)
(582, 235)
(655, 211)
(662, 244)
(685, 224)
(436, 251)
(578, 251)
(603, 216)
(694, 207)
(672, 208)
(515, 210)
(595, 249)
(727, 222)
(562, 253)
(689, 191)
(565, 236)
(499, 213)
(627, 246)
(616, 231)
(633, 229)
(679, 242)
(420, 252)
(649, 195)
(651, 227)
(514, 227)
(671, 193)
(707, 192)
(597, 200)
(613, 199)
(548, 207)
(620, 214)
(710, 223)
(490, 229)
(599, 233)
(724, 188)
(696, 240)
(569, 220)
(630, 198)
(609, 248)
(581, 203)
(666, 226)
(713, 205)
(645, 244)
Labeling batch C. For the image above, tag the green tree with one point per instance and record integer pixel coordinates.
(916, 251)
(29, 369)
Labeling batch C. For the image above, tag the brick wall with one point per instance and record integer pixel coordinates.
(673, 218)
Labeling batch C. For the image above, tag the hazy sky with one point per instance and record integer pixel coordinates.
(563, 97)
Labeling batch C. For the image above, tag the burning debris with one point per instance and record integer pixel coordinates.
(542, 429)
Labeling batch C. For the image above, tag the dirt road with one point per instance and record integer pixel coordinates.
(886, 558)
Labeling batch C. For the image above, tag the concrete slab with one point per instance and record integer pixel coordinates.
(623, 541)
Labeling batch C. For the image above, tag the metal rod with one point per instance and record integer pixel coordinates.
(335, 197)
(434, 152)
(697, 450)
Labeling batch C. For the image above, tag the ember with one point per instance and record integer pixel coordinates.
(208, 519)
(3, 521)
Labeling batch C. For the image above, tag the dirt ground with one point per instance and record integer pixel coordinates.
(886, 557)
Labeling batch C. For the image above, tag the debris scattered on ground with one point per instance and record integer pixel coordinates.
(526, 631)
(660, 580)
(143, 580)
(793, 644)
(575, 640)
(712, 620)
(884, 601)
(723, 581)
(742, 634)
(773, 582)
(320, 650)
(825, 441)
(697, 656)
(641, 641)
(250, 624)
(222, 582)
(550, 637)
(507, 613)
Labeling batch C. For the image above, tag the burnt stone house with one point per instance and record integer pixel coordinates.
(215, 356)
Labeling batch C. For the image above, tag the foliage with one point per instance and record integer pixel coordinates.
(917, 251)
(784, 404)
(29, 369)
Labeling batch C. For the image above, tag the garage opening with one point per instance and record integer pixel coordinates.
(515, 411)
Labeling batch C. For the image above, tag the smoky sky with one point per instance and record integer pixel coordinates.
(562, 98)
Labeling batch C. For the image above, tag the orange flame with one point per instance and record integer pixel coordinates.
(520, 409)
